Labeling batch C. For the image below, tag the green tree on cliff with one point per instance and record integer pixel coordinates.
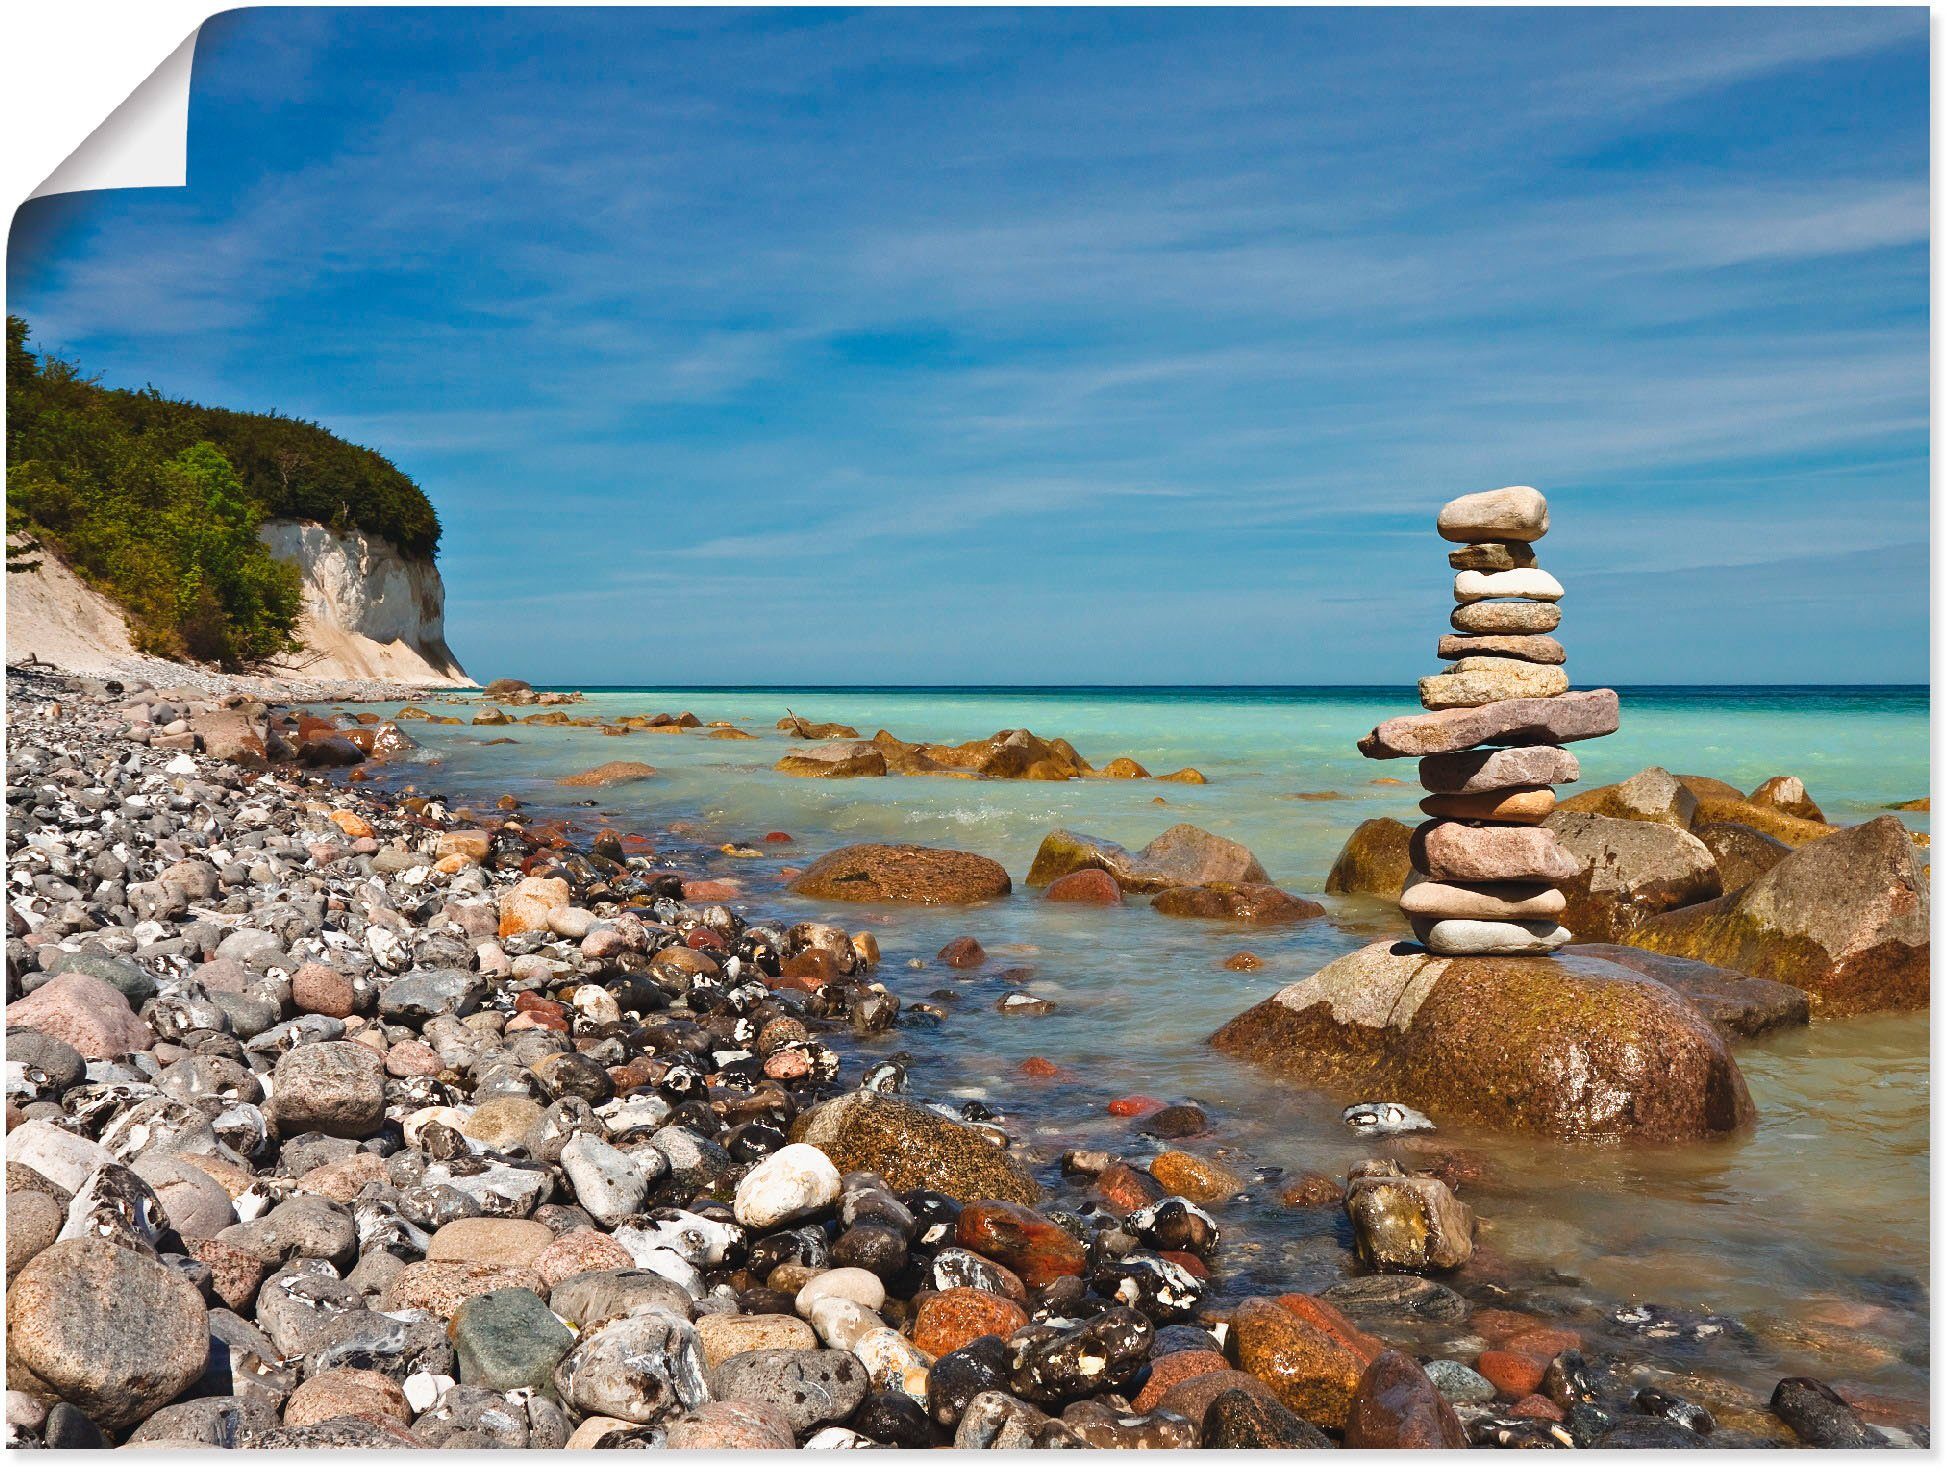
(157, 502)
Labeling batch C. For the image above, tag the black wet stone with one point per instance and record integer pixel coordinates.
(956, 1378)
(1158, 1289)
(878, 1249)
(1244, 1421)
(1084, 1361)
(1176, 1122)
(1588, 1423)
(1685, 1413)
(1819, 1417)
(1643, 1432)
(893, 1419)
(1174, 1338)
(1173, 1224)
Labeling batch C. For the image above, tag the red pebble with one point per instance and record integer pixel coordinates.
(1513, 1375)
(703, 939)
(1187, 1260)
(1038, 1067)
(779, 838)
(1132, 1105)
(535, 1002)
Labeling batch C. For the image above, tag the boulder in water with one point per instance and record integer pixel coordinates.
(1179, 856)
(834, 759)
(1742, 852)
(1844, 918)
(1629, 871)
(905, 873)
(1576, 1049)
(1375, 860)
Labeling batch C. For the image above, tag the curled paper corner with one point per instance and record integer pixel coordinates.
(144, 143)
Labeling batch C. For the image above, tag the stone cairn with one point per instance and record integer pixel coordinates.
(1485, 870)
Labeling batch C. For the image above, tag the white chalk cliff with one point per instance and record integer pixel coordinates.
(370, 612)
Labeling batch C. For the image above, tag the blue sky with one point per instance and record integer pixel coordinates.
(1067, 346)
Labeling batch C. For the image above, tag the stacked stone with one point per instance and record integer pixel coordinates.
(1485, 872)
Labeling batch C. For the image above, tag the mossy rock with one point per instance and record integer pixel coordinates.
(1569, 1047)
(913, 1149)
(1375, 860)
(1844, 918)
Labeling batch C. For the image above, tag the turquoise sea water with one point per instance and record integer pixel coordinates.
(1811, 1231)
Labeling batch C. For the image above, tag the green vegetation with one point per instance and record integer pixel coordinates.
(157, 502)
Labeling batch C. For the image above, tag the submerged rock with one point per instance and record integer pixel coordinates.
(1245, 904)
(1522, 1043)
(608, 774)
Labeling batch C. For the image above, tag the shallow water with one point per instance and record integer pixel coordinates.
(1808, 1235)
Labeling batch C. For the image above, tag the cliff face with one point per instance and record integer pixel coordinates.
(370, 612)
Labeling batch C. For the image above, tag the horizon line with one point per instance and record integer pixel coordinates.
(765, 686)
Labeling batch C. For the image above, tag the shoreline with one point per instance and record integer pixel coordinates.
(1339, 1355)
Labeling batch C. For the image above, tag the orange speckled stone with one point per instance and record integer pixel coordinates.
(1024, 1240)
(954, 1318)
(1513, 1375)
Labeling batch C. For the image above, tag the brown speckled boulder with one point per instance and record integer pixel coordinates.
(1576, 1048)
(1629, 871)
(905, 873)
(112, 1331)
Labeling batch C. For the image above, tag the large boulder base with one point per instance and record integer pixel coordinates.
(1179, 856)
(913, 1149)
(1844, 918)
(1570, 1048)
(903, 873)
(1375, 860)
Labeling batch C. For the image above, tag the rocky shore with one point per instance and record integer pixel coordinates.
(344, 1119)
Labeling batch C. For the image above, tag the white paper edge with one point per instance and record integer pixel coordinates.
(144, 143)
